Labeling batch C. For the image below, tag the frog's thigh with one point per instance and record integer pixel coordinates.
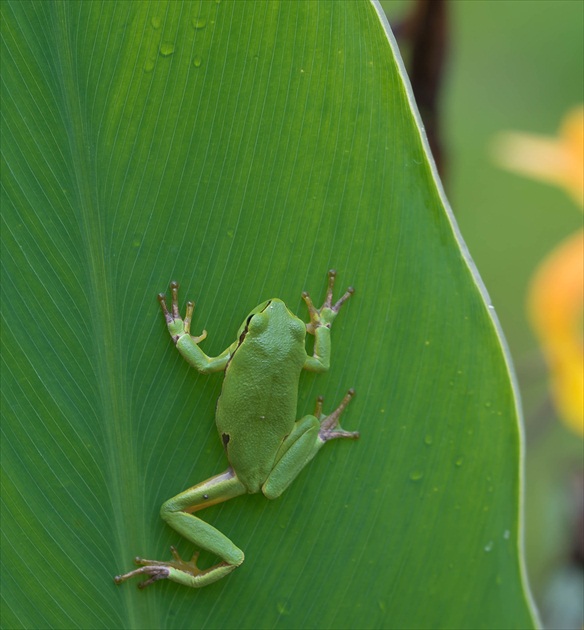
(296, 451)
(177, 512)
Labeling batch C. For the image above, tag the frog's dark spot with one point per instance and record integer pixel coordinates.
(225, 437)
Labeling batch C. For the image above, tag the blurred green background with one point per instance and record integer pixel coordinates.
(518, 65)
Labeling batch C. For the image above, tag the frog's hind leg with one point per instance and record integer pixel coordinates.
(177, 512)
(308, 436)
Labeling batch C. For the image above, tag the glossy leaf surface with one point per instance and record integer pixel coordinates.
(242, 149)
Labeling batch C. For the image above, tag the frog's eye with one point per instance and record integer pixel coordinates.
(298, 329)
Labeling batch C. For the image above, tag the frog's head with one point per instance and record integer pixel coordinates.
(272, 315)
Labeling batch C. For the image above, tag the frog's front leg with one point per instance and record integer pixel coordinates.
(308, 436)
(186, 344)
(177, 512)
(320, 324)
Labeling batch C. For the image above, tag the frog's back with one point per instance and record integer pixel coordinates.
(257, 406)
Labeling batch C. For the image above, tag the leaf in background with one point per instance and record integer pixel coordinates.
(243, 149)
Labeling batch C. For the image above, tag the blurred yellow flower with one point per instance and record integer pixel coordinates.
(558, 160)
(556, 300)
(556, 296)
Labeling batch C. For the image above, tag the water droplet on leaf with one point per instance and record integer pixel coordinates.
(166, 49)
(416, 475)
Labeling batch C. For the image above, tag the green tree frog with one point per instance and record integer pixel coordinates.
(255, 416)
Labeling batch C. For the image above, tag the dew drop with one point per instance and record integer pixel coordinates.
(197, 61)
(155, 21)
(149, 66)
(428, 440)
(459, 462)
(506, 534)
(199, 23)
(416, 475)
(489, 546)
(166, 49)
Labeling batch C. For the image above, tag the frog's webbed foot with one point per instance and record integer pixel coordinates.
(158, 570)
(176, 325)
(155, 572)
(325, 315)
(330, 429)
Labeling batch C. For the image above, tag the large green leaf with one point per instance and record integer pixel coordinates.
(243, 149)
